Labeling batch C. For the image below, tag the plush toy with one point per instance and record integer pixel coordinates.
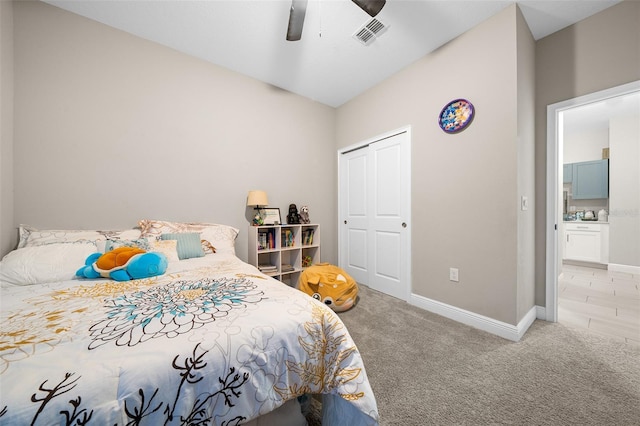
(329, 284)
(124, 264)
(304, 214)
(292, 217)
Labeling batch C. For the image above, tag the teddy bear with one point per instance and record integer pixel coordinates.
(304, 214)
(123, 264)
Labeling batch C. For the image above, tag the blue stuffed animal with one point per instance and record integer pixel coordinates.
(124, 264)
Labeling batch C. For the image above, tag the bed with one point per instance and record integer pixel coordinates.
(212, 341)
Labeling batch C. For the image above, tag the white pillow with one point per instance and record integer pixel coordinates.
(30, 236)
(43, 264)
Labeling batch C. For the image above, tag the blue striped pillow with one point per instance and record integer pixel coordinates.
(188, 246)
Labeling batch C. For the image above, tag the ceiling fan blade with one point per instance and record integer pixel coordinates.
(296, 19)
(372, 7)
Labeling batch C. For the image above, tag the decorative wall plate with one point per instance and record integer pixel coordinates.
(456, 115)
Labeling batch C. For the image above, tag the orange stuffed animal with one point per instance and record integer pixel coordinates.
(329, 284)
(117, 257)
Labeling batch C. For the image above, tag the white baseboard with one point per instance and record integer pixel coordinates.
(541, 313)
(490, 325)
(624, 268)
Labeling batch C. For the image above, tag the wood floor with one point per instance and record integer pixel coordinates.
(600, 301)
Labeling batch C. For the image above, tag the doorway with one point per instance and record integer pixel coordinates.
(555, 131)
(374, 208)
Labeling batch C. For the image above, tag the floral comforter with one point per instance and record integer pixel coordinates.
(211, 342)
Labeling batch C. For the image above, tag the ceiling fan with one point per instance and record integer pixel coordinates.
(299, 9)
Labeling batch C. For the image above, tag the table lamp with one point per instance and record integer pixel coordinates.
(257, 199)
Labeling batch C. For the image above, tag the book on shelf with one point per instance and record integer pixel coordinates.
(287, 238)
(267, 268)
(262, 241)
(266, 239)
(287, 268)
(271, 241)
(307, 237)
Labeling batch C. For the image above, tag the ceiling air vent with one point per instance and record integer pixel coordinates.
(371, 30)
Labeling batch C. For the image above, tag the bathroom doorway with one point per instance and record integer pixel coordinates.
(582, 282)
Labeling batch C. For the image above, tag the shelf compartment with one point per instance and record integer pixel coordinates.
(271, 260)
(290, 279)
(292, 259)
(311, 252)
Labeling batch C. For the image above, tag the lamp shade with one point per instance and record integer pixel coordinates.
(257, 198)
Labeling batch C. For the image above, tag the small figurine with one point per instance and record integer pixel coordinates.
(304, 214)
(292, 217)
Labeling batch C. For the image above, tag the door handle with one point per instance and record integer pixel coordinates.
(345, 222)
(404, 224)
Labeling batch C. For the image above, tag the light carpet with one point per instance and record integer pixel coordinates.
(428, 370)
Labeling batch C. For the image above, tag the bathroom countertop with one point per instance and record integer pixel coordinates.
(587, 221)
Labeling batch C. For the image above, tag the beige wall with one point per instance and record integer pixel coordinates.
(465, 201)
(110, 128)
(8, 236)
(526, 167)
(598, 53)
(624, 190)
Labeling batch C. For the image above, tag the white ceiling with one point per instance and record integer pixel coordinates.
(328, 65)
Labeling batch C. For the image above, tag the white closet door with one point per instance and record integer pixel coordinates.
(375, 190)
(388, 230)
(355, 214)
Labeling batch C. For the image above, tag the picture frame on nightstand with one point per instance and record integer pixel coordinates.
(271, 216)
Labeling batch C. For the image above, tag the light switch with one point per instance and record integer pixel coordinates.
(453, 274)
(524, 203)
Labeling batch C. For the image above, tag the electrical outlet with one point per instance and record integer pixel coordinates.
(453, 274)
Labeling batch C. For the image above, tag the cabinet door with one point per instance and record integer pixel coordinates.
(567, 173)
(583, 246)
(591, 180)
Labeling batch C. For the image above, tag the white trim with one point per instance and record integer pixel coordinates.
(552, 221)
(367, 142)
(624, 268)
(554, 160)
(490, 325)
